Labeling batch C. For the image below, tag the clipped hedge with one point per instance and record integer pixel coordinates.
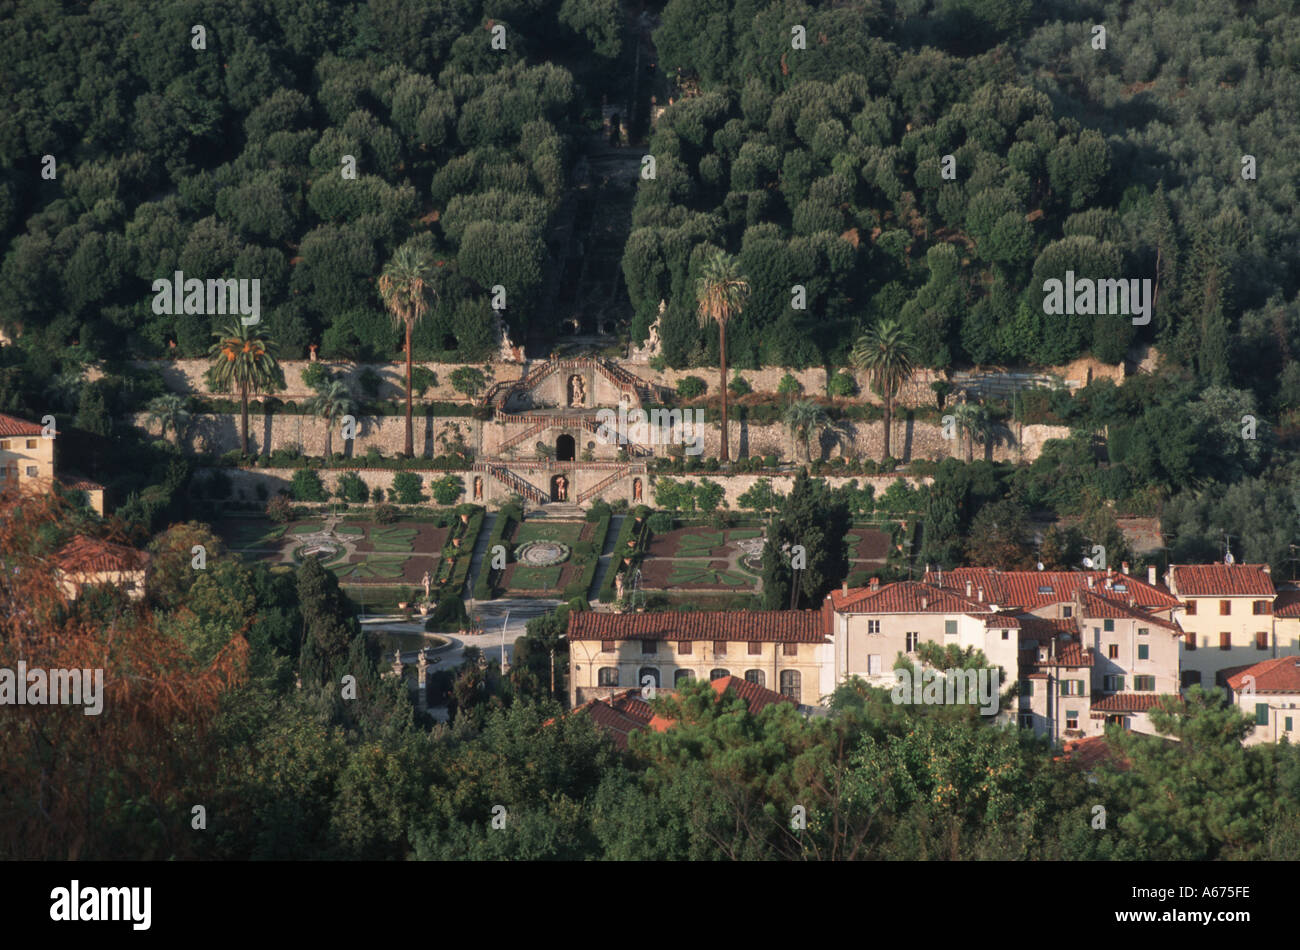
(484, 586)
(606, 595)
(582, 585)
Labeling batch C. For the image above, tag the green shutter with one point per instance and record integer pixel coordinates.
(1142, 651)
(1108, 626)
(950, 626)
(1261, 714)
(1288, 723)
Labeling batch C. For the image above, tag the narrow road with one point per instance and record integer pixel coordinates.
(480, 549)
(606, 555)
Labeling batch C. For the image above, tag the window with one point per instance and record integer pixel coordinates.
(1144, 650)
(911, 642)
(6, 444)
(873, 664)
(1261, 640)
(648, 671)
(607, 676)
(1144, 631)
(1108, 626)
(1287, 724)
(31, 443)
(1112, 651)
(1044, 589)
(1261, 714)
(649, 646)
(1071, 687)
(1120, 588)
(682, 676)
(1225, 641)
(1113, 683)
(949, 627)
(719, 647)
(1191, 678)
(873, 626)
(790, 684)
(1261, 607)
(1225, 608)
(1144, 684)
(606, 646)
(31, 471)
(789, 649)
(1006, 634)
(1072, 719)
(683, 647)
(1026, 720)
(1026, 687)
(1191, 608)
(756, 677)
(1067, 611)
(719, 674)
(755, 648)
(1189, 641)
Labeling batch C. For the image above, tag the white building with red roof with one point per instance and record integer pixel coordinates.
(1227, 617)
(85, 562)
(1269, 692)
(27, 462)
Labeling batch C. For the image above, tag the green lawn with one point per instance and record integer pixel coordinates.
(699, 544)
(566, 532)
(255, 534)
(351, 530)
(394, 538)
(311, 527)
(535, 578)
(385, 567)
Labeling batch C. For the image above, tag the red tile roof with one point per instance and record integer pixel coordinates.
(623, 713)
(1047, 628)
(1222, 580)
(905, 597)
(1092, 752)
(84, 555)
(1128, 702)
(12, 425)
(1287, 603)
(1095, 606)
(1033, 589)
(1067, 654)
(781, 626)
(77, 483)
(1280, 675)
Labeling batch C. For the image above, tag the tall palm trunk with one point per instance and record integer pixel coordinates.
(243, 414)
(329, 439)
(410, 433)
(889, 423)
(722, 359)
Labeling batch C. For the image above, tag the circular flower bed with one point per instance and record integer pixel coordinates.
(327, 552)
(542, 553)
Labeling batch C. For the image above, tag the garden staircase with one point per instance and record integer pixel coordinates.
(508, 478)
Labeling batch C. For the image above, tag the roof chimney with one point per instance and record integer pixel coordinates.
(844, 588)
(1123, 566)
(968, 588)
(1151, 574)
(981, 597)
(875, 583)
(1092, 582)
(1267, 569)
(925, 602)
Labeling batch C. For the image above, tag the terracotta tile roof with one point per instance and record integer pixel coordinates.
(623, 713)
(12, 425)
(1067, 654)
(999, 619)
(905, 597)
(1222, 580)
(1092, 752)
(1287, 603)
(782, 626)
(1032, 589)
(1096, 606)
(1128, 702)
(1280, 675)
(77, 483)
(1046, 628)
(84, 555)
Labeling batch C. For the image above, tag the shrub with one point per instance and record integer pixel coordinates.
(691, 387)
(407, 489)
(422, 379)
(315, 375)
(739, 386)
(446, 489)
(373, 454)
(789, 386)
(385, 514)
(353, 488)
(370, 381)
(377, 495)
(599, 509)
(841, 385)
(449, 613)
(279, 510)
(661, 522)
(468, 380)
(306, 486)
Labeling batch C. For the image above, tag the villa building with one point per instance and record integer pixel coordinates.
(87, 562)
(27, 461)
(1268, 691)
(1226, 612)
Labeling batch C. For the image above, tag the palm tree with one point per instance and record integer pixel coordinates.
(331, 401)
(244, 359)
(169, 412)
(973, 425)
(403, 285)
(884, 353)
(721, 292)
(805, 419)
